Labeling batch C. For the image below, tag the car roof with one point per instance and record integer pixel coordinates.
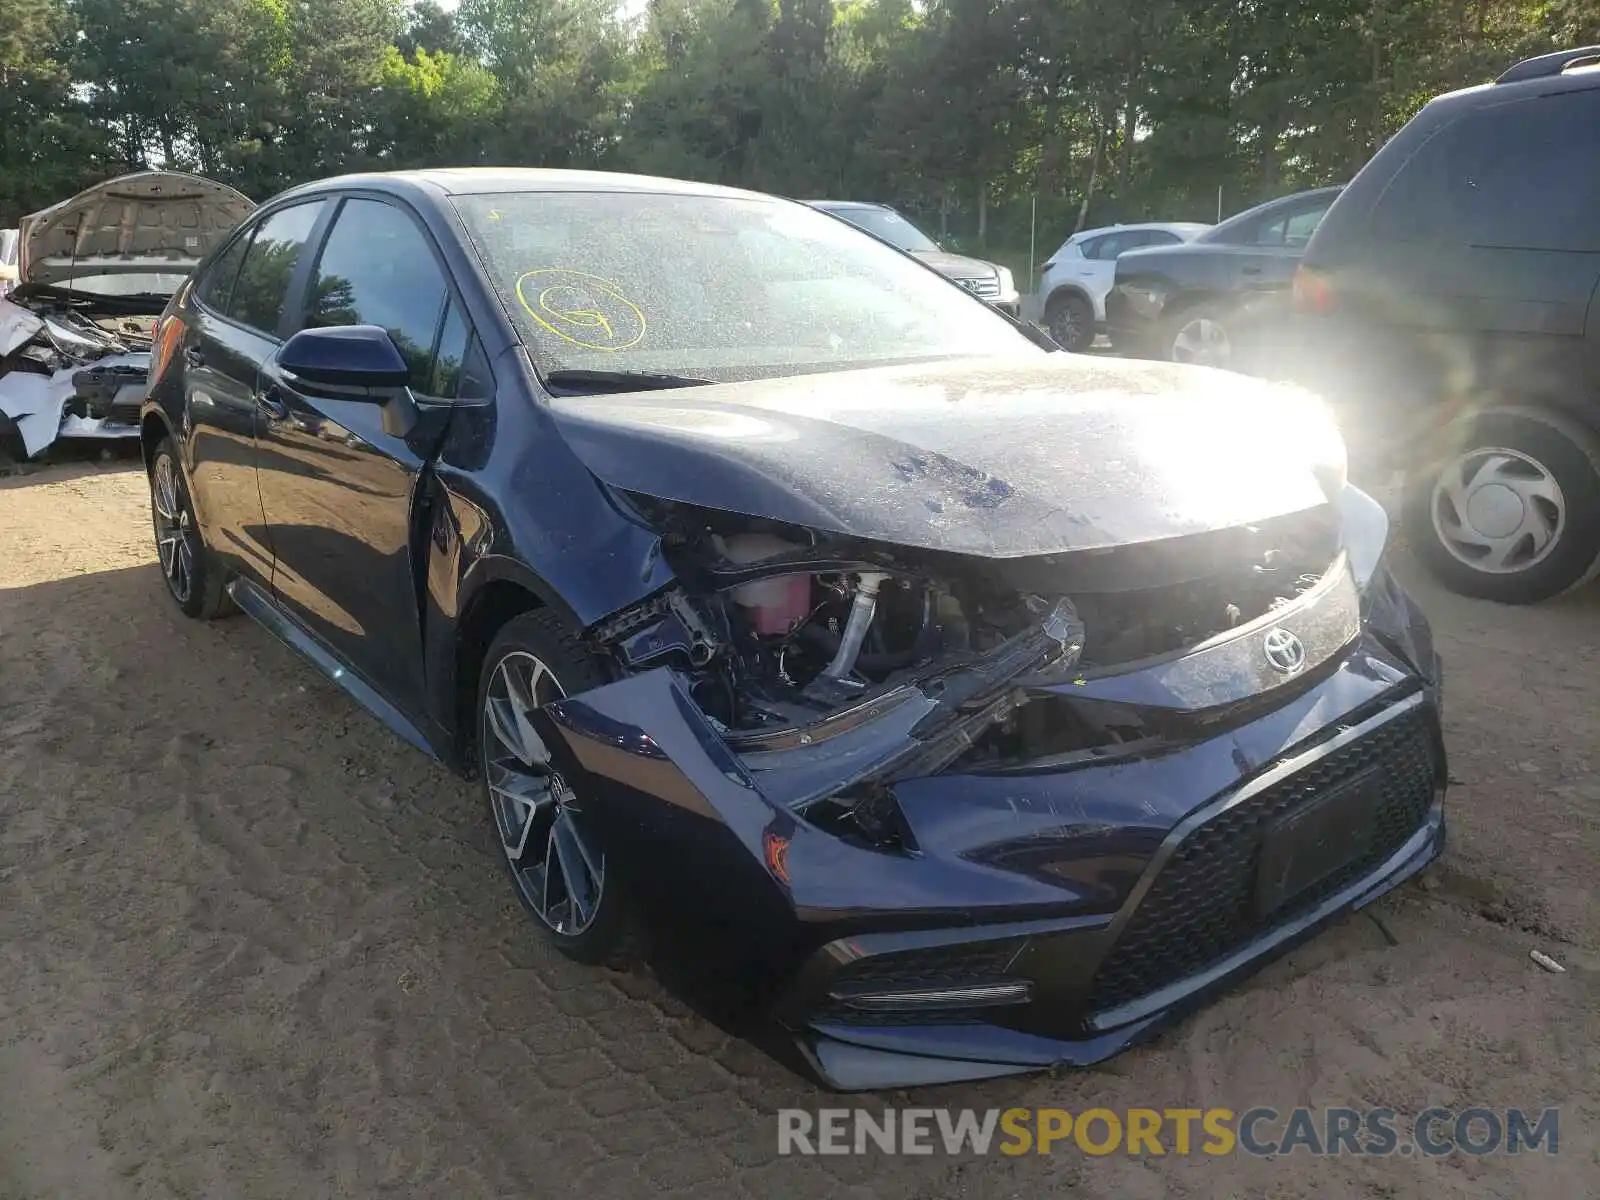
(1222, 229)
(834, 205)
(1547, 74)
(1160, 226)
(470, 181)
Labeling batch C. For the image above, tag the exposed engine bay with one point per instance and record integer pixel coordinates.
(789, 640)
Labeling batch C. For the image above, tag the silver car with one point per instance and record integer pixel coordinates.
(1077, 277)
(986, 279)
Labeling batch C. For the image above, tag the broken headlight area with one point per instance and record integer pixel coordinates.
(835, 667)
(80, 336)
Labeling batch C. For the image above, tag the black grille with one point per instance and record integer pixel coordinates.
(1201, 907)
(934, 967)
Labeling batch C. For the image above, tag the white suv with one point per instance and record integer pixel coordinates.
(1072, 290)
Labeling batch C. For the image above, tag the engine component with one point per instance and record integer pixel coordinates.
(704, 644)
(102, 388)
(862, 610)
(776, 604)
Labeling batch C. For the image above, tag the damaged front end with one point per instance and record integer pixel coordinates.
(833, 667)
(830, 668)
(937, 782)
(67, 371)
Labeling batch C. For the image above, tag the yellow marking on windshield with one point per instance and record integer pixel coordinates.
(580, 308)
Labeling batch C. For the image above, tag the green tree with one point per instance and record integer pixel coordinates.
(562, 67)
(433, 109)
(432, 28)
(48, 149)
(698, 109)
(965, 111)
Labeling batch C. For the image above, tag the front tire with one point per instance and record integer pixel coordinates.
(1510, 511)
(195, 579)
(1070, 320)
(551, 851)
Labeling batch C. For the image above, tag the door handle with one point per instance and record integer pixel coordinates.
(193, 356)
(270, 401)
(1249, 270)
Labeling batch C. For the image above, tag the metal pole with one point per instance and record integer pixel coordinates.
(1219, 203)
(1033, 260)
(1033, 222)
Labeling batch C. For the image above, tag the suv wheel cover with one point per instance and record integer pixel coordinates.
(1497, 510)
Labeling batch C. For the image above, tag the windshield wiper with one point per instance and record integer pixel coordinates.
(577, 383)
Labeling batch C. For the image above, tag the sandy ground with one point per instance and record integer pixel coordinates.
(252, 946)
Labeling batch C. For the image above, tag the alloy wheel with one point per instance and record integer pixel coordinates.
(1202, 342)
(556, 868)
(1064, 327)
(174, 529)
(1498, 511)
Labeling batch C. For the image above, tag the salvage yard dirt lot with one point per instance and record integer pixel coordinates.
(253, 946)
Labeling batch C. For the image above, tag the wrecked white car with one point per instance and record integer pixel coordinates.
(93, 274)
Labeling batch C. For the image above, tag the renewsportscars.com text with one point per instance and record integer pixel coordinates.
(1261, 1131)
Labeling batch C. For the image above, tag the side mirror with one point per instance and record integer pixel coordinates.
(345, 356)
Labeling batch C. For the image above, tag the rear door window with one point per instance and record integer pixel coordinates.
(1111, 246)
(263, 282)
(377, 268)
(1293, 228)
(1523, 175)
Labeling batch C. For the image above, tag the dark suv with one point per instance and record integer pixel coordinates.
(1450, 301)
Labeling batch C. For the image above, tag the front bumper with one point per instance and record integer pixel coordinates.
(1045, 915)
(1104, 982)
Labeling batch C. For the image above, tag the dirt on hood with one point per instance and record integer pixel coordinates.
(992, 457)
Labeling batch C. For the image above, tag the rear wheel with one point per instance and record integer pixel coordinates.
(1510, 511)
(1070, 320)
(551, 849)
(194, 578)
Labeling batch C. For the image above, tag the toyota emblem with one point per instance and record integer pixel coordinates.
(1285, 651)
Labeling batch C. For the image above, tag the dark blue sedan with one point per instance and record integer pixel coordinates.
(956, 706)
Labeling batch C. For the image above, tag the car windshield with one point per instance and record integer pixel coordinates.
(715, 287)
(890, 226)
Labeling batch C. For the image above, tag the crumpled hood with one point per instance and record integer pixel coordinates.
(150, 221)
(997, 457)
(957, 266)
